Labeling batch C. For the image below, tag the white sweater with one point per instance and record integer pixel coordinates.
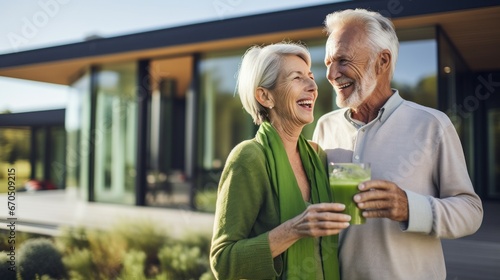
(418, 149)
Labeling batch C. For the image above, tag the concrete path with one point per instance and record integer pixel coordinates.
(476, 257)
(46, 211)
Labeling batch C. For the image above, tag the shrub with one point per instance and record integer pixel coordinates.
(75, 245)
(5, 272)
(182, 262)
(187, 258)
(198, 239)
(142, 236)
(80, 265)
(20, 237)
(107, 252)
(38, 257)
(206, 199)
(133, 266)
(72, 239)
(135, 250)
(100, 259)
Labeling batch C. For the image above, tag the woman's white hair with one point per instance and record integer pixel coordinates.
(379, 30)
(260, 67)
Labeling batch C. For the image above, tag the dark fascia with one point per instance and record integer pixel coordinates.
(300, 18)
(35, 118)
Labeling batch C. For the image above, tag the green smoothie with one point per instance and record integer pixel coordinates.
(343, 192)
(344, 181)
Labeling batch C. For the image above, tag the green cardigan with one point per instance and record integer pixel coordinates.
(246, 211)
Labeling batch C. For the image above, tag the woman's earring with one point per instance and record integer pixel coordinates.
(270, 107)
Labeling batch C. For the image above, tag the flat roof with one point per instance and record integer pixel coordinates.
(54, 117)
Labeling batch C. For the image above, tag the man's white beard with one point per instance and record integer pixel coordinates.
(361, 91)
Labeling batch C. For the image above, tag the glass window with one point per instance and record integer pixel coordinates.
(167, 183)
(15, 153)
(40, 152)
(57, 156)
(416, 72)
(455, 90)
(494, 153)
(115, 134)
(48, 156)
(77, 124)
(223, 121)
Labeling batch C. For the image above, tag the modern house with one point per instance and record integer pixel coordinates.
(39, 138)
(152, 116)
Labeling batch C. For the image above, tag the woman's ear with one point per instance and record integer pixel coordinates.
(264, 97)
(383, 62)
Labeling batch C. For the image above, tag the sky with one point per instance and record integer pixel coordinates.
(33, 24)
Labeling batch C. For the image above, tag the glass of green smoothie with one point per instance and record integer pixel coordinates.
(344, 181)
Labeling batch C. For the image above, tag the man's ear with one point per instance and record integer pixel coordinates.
(383, 62)
(264, 97)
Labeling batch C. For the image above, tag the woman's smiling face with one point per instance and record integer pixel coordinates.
(295, 92)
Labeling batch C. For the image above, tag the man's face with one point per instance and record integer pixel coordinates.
(350, 67)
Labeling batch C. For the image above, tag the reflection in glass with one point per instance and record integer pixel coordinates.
(77, 124)
(494, 153)
(224, 121)
(116, 134)
(40, 152)
(57, 156)
(167, 183)
(454, 89)
(15, 153)
(416, 72)
(49, 164)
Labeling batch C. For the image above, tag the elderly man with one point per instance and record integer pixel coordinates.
(420, 189)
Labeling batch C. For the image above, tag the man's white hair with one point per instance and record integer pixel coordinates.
(379, 30)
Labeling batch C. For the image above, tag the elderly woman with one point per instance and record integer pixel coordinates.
(273, 218)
